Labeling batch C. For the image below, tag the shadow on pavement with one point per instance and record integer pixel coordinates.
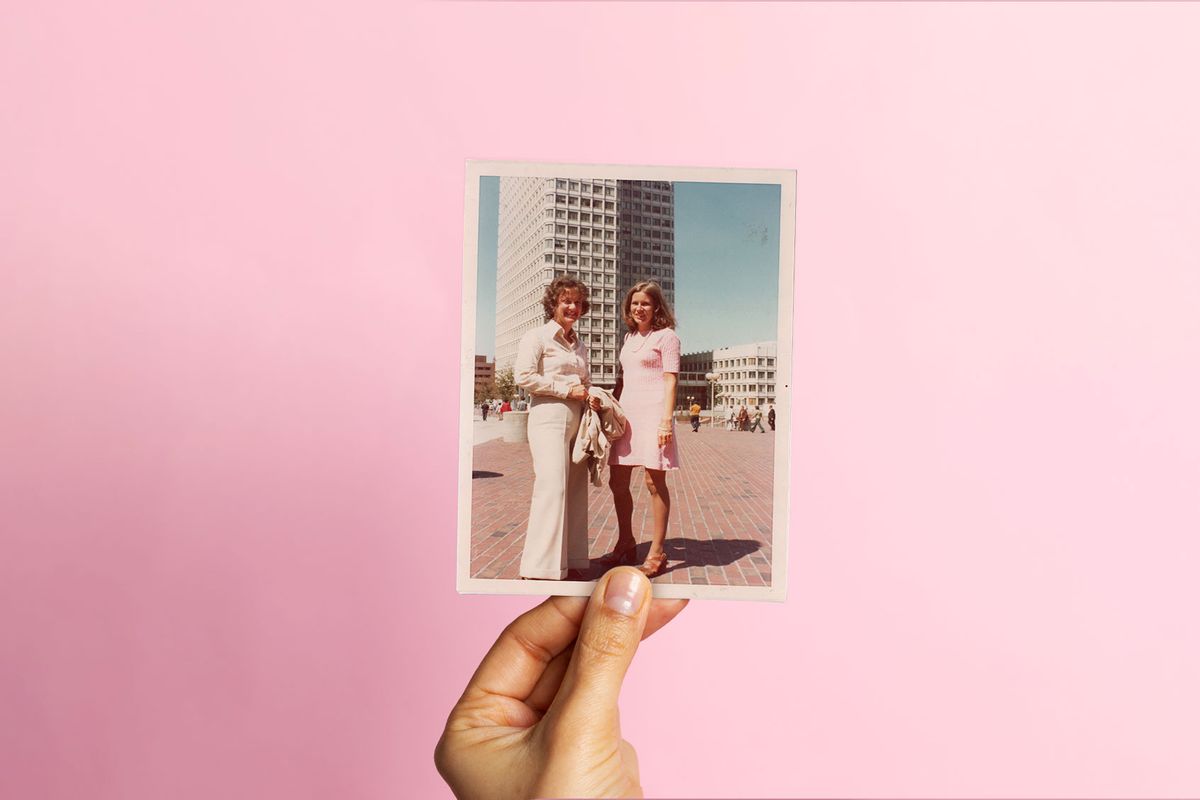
(683, 553)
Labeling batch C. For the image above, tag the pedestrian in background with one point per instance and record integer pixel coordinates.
(743, 419)
(758, 422)
(483, 409)
(771, 417)
(695, 412)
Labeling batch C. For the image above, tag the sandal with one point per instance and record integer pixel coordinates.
(654, 566)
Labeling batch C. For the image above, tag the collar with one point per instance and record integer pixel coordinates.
(552, 330)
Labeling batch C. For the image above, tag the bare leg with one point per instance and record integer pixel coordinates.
(618, 482)
(660, 505)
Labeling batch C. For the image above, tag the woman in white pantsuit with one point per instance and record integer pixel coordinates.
(552, 366)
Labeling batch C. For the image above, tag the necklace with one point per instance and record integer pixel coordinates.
(638, 341)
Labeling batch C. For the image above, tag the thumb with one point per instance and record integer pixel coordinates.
(608, 637)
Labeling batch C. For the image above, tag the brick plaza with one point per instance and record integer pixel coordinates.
(720, 527)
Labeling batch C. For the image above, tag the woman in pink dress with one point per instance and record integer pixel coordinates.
(649, 371)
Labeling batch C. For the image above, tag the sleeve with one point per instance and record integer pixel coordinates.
(587, 367)
(527, 369)
(670, 351)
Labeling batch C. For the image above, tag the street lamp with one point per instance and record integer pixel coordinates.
(711, 377)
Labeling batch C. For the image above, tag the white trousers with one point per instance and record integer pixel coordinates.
(556, 539)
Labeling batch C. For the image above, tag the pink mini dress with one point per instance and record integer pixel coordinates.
(644, 359)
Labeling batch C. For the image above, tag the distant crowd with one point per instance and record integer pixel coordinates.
(740, 418)
(498, 407)
(737, 418)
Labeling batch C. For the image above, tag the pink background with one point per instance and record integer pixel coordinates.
(231, 247)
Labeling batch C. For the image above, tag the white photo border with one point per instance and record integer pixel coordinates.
(786, 180)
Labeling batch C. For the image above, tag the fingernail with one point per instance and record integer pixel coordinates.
(625, 591)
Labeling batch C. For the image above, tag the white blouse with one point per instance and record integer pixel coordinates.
(547, 364)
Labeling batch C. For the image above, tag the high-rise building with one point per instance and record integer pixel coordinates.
(608, 233)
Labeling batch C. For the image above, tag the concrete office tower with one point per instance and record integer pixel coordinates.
(746, 374)
(609, 234)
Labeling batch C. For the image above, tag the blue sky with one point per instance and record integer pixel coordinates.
(726, 264)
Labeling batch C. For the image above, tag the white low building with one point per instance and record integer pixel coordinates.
(745, 374)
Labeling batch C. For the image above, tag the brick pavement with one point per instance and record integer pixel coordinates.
(720, 527)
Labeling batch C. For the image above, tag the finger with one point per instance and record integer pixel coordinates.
(516, 661)
(608, 637)
(662, 611)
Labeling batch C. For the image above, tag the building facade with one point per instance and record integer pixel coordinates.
(485, 373)
(746, 374)
(608, 233)
(692, 385)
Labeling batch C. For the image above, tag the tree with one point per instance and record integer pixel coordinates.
(506, 384)
(485, 391)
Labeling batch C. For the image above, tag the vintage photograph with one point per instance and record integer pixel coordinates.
(626, 378)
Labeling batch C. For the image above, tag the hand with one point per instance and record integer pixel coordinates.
(665, 432)
(539, 716)
(594, 402)
(577, 392)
